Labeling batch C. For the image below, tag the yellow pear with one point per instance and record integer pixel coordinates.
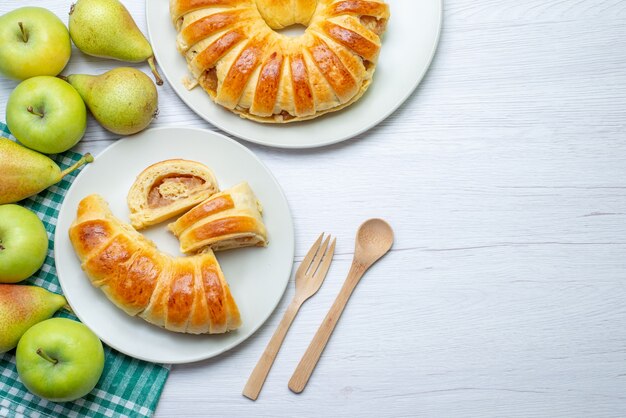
(21, 307)
(105, 28)
(123, 100)
(26, 172)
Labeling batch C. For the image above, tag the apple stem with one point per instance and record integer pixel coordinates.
(24, 34)
(62, 77)
(43, 355)
(157, 76)
(87, 158)
(31, 110)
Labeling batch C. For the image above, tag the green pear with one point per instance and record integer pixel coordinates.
(124, 100)
(21, 307)
(26, 172)
(105, 28)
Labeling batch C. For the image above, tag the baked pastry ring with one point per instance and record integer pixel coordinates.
(233, 52)
(230, 219)
(167, 189)
(181, 294)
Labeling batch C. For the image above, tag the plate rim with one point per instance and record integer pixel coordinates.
(366, 127)
(275, 303)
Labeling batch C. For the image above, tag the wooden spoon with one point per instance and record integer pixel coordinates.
(373, 240)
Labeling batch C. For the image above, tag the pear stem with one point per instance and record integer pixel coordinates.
(87, 158)
(45, 356)
(34, 112)
(24, 34)
(62, 77)
(68, 308)
(155, 72)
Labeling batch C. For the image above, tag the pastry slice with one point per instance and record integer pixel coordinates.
(180, 294)
(230, 219)
(167, 189)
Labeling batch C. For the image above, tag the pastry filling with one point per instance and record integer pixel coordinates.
(174, 187)
(240, 242)
(209, 81)
(377, 26)
(285, 116)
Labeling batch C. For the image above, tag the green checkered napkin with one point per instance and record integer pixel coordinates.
(127, 388)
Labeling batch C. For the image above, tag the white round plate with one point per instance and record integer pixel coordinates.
(257, 276)
(408, 47)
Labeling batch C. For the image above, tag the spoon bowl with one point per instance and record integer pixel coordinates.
(373, 240)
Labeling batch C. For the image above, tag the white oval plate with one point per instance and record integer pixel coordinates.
(257, 276)
(408, 47)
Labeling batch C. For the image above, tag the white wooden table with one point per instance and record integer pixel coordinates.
(504, 177)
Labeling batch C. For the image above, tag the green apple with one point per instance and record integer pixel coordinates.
(60, 359)
(23, 243)
(34, 42)
(46, 114)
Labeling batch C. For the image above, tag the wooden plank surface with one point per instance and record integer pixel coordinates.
(504, 176)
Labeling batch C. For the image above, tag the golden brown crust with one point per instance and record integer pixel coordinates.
(203, 210)
(180, 7)
(360, 7)
(333, 69)
(232, 321)
(274, 78)
(350, 39)
(197, 322)
(214, 297)
(303, 96)
(279, 14)
(104, 265)
(209, 25)
(181, 295)
(240, 72)
(224, 226)
(209, 57)
(267, 86)
(156, 311)
(140, 280)
(166, 291)
(92, 235)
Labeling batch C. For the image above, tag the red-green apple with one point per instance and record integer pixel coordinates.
(34, 42)
(46, 114)
(23, 243)
(60, 359)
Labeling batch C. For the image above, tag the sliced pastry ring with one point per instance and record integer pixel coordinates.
(181, 294)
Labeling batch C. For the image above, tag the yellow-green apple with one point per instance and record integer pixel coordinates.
(46, 114)
(34, 42)
(23, 243)
(60, 359)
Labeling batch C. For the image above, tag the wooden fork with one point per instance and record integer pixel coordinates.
(309, 278)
